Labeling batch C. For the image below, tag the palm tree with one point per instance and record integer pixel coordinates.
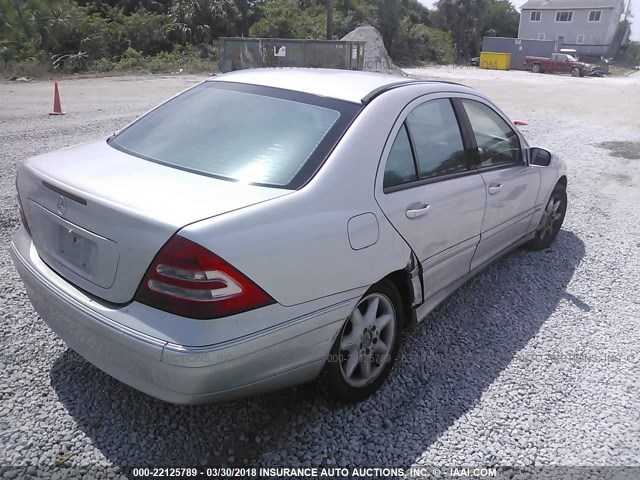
(478, 13)
(329, 19)
(464, 18)
(203, 20)
(243, 7)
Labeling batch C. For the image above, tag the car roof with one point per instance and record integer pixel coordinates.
(351, 86)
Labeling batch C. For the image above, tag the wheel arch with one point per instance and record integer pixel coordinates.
(408, 282)
(562, 181)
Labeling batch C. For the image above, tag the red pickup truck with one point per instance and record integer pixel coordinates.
(560, 62)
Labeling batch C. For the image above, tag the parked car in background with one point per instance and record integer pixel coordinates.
(560, 63)
(267, 227)
(600, 66)
(474, 62)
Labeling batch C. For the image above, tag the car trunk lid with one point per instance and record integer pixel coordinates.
(98, 216)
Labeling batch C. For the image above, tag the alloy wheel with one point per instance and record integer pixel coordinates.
(551, 217)
(367, 340)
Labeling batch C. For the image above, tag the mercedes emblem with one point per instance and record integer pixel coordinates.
(62, 205)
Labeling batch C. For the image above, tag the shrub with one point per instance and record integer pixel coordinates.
(131, 59)
(8, 54)
(188, 59)
(102, 65)
(31, 68)
(147, 33)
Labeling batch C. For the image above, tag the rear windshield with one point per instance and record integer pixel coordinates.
(244, 133)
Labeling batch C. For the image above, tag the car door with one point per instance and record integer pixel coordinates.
(429, 192)
(511, 184)
(562, 64)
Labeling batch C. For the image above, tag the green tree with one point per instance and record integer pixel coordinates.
(307, 18)
(623, 29)
(34, 28)
(330, 23)
(277, 20)
(390, 14)
(501, 19)
(201, 21)
(633, 51)
(417, 13)
(74, 34)
(463, 18)
(246, 9)
(127, 6)
(417, 43)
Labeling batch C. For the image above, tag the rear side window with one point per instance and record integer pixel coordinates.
(429, 145)
(255, 135)
(400, 167)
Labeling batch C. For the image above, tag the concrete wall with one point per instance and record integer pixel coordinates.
(240, 53)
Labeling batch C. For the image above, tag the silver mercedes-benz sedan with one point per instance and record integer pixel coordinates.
(268, 227)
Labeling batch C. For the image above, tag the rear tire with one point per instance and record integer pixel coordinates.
(367, 345)
(551, 220)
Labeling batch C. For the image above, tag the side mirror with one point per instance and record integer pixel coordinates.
(539, 157)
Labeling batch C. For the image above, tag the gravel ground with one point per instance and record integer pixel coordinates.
(534, 362)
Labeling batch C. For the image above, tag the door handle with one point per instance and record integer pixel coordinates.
(418, 212)
(494, 188)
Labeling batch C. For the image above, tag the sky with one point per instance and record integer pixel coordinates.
(635, 9)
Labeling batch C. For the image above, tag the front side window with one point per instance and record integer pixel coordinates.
(594, 15)
(241, 133)
(437, 139)
(498, 144)
(535, 16)
(564, 16)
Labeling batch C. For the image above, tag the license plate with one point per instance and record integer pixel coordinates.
(73, 247)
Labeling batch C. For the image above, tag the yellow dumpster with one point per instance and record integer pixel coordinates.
(495, 60)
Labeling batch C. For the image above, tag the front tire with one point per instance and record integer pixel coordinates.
(367, 346)
(535, 68)
(551, 220)
(575, 72)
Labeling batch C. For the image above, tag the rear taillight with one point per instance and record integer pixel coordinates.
(188, 280)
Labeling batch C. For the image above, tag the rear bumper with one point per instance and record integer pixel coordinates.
(290, 353)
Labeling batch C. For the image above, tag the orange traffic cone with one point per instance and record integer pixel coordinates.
(57, 107)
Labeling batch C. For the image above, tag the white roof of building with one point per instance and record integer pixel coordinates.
(569, 4)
